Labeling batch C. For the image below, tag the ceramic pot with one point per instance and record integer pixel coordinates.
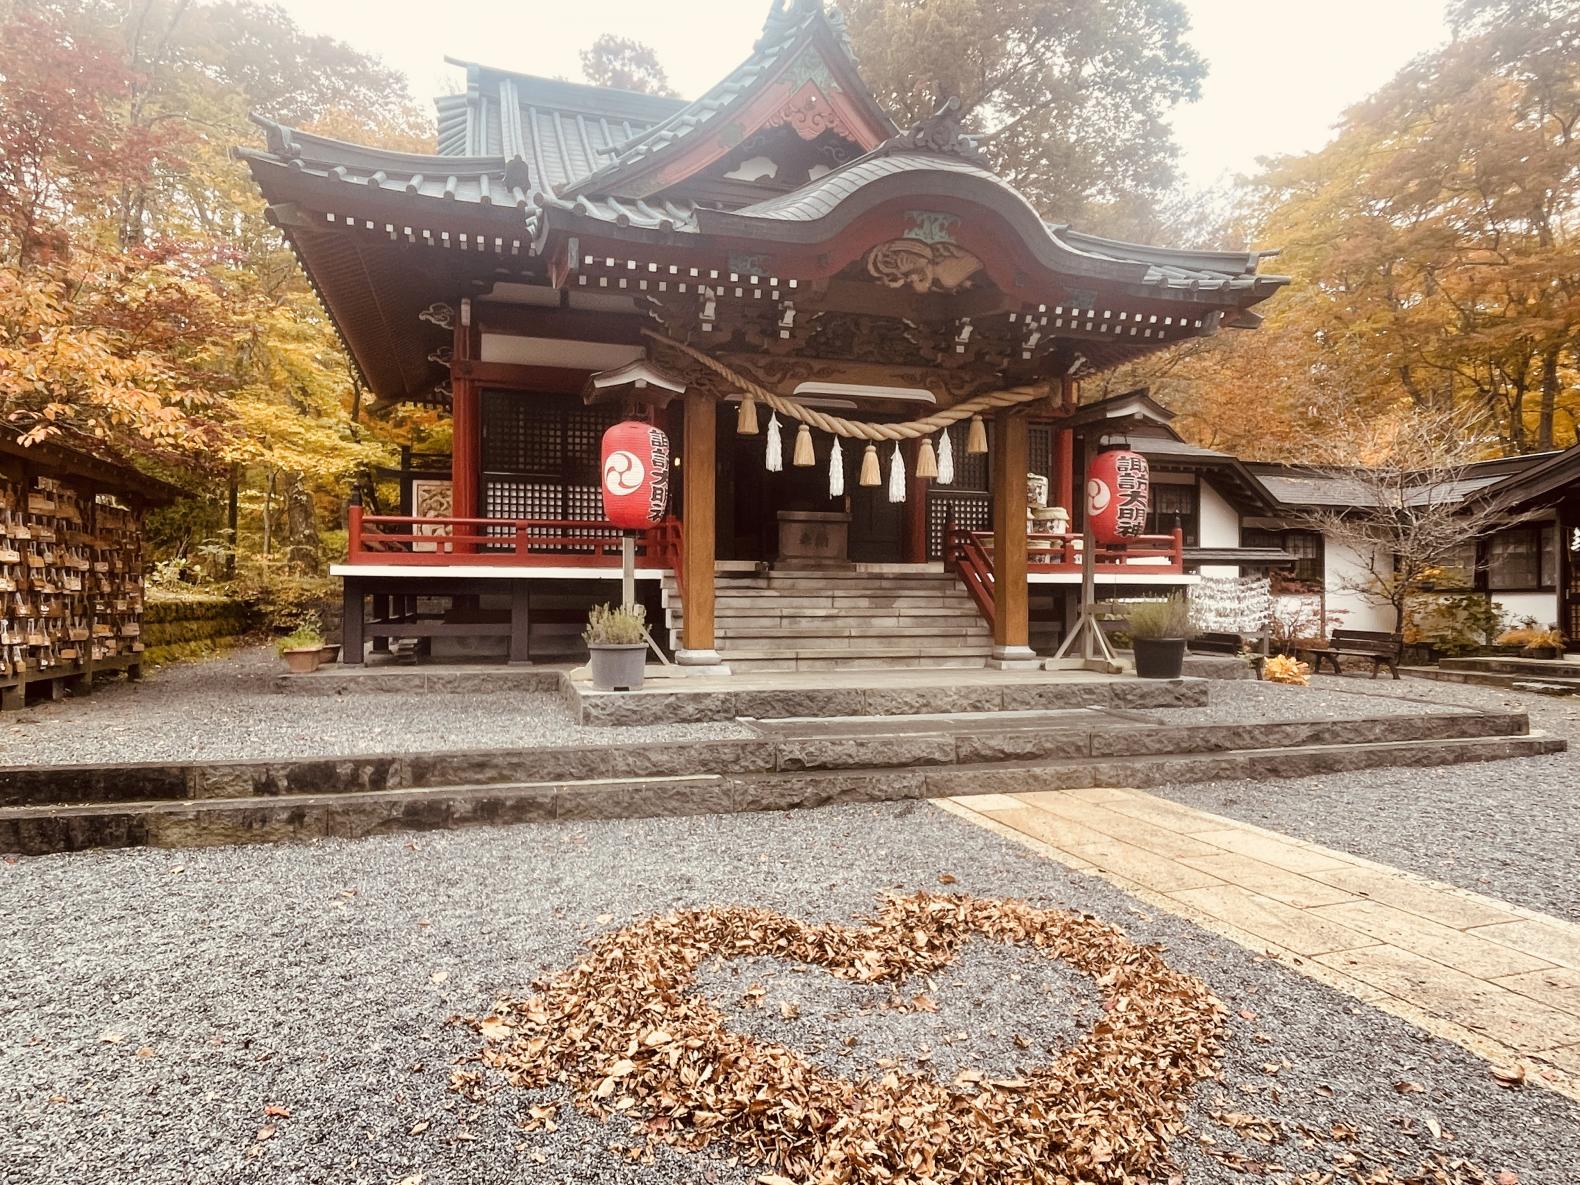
(303, 661)
(617, 668)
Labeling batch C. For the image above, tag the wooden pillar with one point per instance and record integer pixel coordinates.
(520, 621)
(351, 636)
(466, 423)
(1064, 470)
(1011, 623)
(698, 474)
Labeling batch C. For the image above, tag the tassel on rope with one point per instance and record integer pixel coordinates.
(871, 474)
(776, 448)
(746, 417)
(897, 476)
(946, 459)
(926, 462)
(836, 471)
(976, 438)
(803, 448)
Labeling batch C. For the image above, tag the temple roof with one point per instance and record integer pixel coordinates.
(802, 45)
(561, 130)
(554, 184)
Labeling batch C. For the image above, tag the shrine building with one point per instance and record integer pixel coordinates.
(865, 348)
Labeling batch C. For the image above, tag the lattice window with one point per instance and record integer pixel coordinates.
(970, 509)
(1039, 453)
(522, 434)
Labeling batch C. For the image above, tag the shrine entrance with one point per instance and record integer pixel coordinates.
(750, 499)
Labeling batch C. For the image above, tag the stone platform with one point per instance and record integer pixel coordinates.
(791, 761)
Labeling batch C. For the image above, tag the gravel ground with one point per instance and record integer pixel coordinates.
(225, 708)
(1505, 828)
(155, 1002)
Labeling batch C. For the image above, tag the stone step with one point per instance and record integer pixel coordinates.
(1551, 684)
(38, 829)
(858, 649)
(783, 663)
(839, 634)
(941, 620)
(1528, 668)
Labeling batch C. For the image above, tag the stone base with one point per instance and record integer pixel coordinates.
(697, 658)
(1014, 658)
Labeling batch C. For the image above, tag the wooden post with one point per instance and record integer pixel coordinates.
(466, 426)
(1064, 469)
(351, 636)
(696, 531)
(520, 621)
(1011, 619)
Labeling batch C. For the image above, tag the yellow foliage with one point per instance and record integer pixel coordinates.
(1284, 669)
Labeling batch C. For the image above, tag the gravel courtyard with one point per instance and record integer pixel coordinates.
(226, 708)
(1504, 828)
(283, 1013)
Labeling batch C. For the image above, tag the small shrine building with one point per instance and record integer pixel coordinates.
(859, 339)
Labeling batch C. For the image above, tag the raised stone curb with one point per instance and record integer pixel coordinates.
(43, 829)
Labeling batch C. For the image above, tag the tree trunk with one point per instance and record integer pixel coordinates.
(303, 551)
(1549, 404)
(232, 517)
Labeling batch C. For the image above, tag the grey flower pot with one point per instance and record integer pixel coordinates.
(617, 668)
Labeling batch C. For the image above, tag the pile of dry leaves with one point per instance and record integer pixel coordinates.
(621, 1031)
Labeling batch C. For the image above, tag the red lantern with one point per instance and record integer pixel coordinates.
(1117, 484)
(635, 475)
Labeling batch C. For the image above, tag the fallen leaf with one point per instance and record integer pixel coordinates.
(266, 1132)
(945, 878)
(414, 1179)
(605, 918)
(439, 976)
(774, 1179)
(1508, 1177)
(418, 1128)
(1433, 1126)
(275, 1111)
(494, 1029)
(112, 1036)
(789, 1009)
(145, 1051)
(1409, 1088)
(1510, 1076)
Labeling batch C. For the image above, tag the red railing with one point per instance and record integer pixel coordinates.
(1048, 552)
(969, 554)
(520, 542)
(974, 565)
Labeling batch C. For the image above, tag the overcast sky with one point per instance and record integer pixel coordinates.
(1280, 71)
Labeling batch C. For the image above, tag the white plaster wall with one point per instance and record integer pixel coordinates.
(1346, 564)
(1220, 522)
(1542, 606)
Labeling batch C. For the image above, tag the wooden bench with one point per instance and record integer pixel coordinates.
(1381, 647)
(1227, 642)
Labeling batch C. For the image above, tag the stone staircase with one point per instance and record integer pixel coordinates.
(826, 621)
(1558, 677)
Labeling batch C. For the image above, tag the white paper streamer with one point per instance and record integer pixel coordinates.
(946, 459)
(776, 451)
(836, 471)
(897, 476)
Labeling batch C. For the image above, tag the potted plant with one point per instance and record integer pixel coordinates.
(1158, 633)
(617, 643)
(1533, 642)
(302, 649)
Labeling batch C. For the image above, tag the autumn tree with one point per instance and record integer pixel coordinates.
(1434, 251)
(625, 64)
(1071, 99)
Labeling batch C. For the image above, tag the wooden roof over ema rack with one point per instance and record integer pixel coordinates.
(781, 222)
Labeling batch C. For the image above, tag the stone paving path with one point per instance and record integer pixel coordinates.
(1500, 980)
